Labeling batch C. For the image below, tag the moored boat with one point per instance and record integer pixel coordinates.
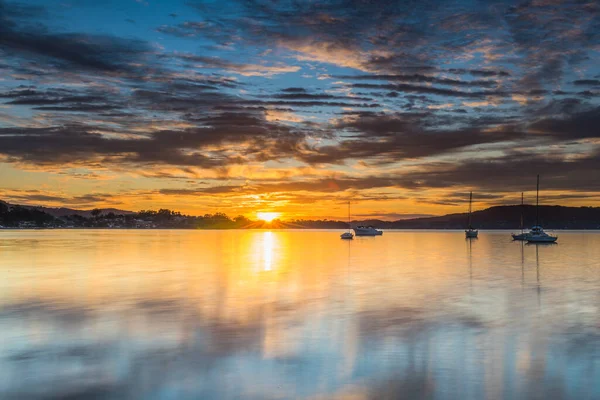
(367, 231)
(537, 234)
(347, 235)
(470, 233)
(523, 235)
(520, 236)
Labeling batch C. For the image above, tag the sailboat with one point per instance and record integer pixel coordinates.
(522, 235)
(537, 234)
(347, 235)
(470, 232)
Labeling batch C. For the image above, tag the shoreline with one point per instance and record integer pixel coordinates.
(281, 229)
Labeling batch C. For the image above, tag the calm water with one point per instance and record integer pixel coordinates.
(297, 314)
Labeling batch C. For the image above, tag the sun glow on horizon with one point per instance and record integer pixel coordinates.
(267, 216)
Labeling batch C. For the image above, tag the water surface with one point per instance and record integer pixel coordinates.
(168, 314)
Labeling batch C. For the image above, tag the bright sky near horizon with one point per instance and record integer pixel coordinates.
(296, 107)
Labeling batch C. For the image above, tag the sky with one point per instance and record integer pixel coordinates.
(240, 106)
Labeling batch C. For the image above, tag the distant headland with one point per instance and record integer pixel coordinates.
(497, 217)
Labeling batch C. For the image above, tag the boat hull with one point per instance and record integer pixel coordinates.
(520, 236)
(544, 239)
(347, 236)
(471, 234)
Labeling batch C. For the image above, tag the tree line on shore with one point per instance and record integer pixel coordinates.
(16, 216)
(498, 217)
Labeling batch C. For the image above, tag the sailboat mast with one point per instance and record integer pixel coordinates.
(537, 203)
(348, 213)
(470, 201)
(521, 212)
(349, 224)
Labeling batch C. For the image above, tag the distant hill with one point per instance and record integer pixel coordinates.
(499, 217)
(507, 217)
(63, 212)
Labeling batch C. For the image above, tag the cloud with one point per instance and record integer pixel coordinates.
(204, 145)
(311, 96)
(408, 88)
(418, 78)
(479, 72)
(90, 52)
(34, 197)
(294, 90)
(275, 115)
(587, 82)
(390, 138)
(242, 69)
(575, 126)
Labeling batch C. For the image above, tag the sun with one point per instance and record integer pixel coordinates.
(267, 216)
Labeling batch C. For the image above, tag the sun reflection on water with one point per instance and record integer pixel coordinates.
(268, 251)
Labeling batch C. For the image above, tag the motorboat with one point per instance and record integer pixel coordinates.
(347, 235)
(470, 233)
(537, 235)
(367, 231)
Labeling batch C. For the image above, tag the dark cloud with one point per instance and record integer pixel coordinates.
(513, 172)
(575, 126)
(294, 90)
(77, 143)
(318, 186)
(291, 103)
(587, 82)
(84, 108)
(34, 197)
(91, 52)
(408, 88)
(479, 72)
(312, 96)
(418, 78)
(55, 97)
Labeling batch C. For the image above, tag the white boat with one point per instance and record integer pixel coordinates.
(537, 234)
(470, 232)
(367, 231)
(347, 235)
